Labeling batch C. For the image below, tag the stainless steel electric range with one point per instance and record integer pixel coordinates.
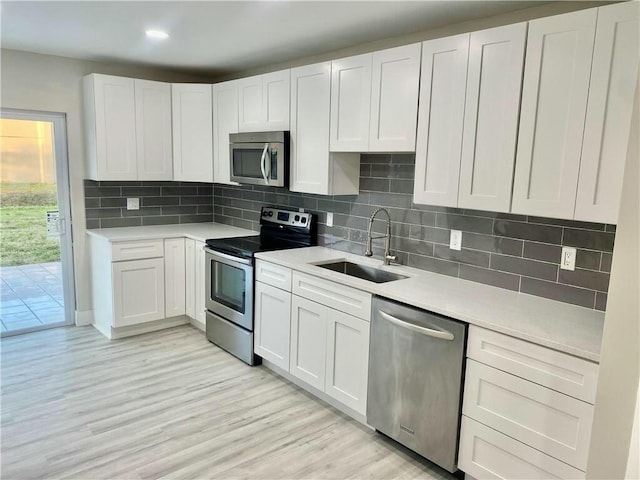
(229, 276)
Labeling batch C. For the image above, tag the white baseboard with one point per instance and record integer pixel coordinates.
(84, 317)
(198, 324)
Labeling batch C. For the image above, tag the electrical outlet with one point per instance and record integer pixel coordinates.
(455, 241)
(133, 204)
(568, 260)
(329, 219)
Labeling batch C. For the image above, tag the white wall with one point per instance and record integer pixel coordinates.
(617, 394)
(31, 81)
(544, 10)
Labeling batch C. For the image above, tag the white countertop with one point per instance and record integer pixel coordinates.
(567, 328)
(196, 231)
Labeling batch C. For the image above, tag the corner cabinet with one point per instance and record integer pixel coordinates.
(225, 121)
(579, 84)
(374, 99)
(263, 102)
(128, 128)
(192, 132)
(303, 328)
(313, 168)
(468, 118)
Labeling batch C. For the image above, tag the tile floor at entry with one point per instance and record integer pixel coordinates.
(31, 296)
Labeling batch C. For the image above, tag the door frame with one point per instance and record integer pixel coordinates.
(59, 121)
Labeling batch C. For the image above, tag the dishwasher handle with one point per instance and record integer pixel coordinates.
(431, 332)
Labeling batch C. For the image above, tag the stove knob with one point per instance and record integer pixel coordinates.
(270, 213)
(265, 213)
(304, 219)
(297, 218)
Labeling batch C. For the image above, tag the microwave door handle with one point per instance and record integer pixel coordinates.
(263, 163)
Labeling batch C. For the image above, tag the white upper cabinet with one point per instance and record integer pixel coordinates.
(490, 125)
(225, 121)
(554, 101)
(128, 128)
(440, 120)
(374, 99)
(350, 103)
(263, 102)
(313, 168)
(394, 99)
(153, 130)
(192, 132)
(110, 127)
(608, 122)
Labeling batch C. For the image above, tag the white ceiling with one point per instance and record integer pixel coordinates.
(220, 37)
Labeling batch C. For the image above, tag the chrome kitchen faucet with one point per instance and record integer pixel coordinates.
(388, 258)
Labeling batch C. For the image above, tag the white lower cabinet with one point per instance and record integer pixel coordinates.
(486, 453)
(174, 277)
(308, 341)
(272, 324)
(347, 360)
(302, 326)
(195, 281)
(138, 291)
(523, 413)
(330, 351)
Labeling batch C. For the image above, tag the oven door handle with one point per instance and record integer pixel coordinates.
(263, 164)
(231, 258)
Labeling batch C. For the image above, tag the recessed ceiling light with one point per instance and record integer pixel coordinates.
(157, 34)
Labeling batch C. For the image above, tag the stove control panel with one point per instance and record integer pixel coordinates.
(290, 218)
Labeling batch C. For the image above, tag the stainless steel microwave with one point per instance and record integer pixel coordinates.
(260, 158)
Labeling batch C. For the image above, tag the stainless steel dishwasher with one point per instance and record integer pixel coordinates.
(415, 379)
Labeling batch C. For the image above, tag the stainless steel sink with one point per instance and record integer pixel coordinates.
(362, 271)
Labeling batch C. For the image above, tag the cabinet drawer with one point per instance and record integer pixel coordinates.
(549, 421)
(273, 275)
(486, 453)
(137, 250)
(567, 374)
(342, 298)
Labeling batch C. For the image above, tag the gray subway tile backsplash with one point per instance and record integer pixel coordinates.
(161, 203)
(511, 251)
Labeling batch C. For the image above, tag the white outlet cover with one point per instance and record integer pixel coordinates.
(455, 241)
(133, 204)
(329, 219)
(568, 258)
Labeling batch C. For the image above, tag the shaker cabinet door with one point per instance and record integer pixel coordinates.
(175, 276)
(272, 324)
(440, 120)
(153, 130)
(138, 291)
(394, 99)
(275, 100)
(192, 132)
(347, 360)
(608, 123)
(225, 121)
(307, 359)
(490, 131)
(111, 118)
(350, 103)
(554, 102)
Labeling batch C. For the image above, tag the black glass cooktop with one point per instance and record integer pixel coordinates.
(246, 247)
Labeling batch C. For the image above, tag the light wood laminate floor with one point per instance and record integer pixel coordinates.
(170, 404)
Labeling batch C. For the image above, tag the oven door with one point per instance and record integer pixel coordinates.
(258, 163)
(229, 288)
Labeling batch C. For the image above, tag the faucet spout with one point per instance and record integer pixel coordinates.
(387, 244)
